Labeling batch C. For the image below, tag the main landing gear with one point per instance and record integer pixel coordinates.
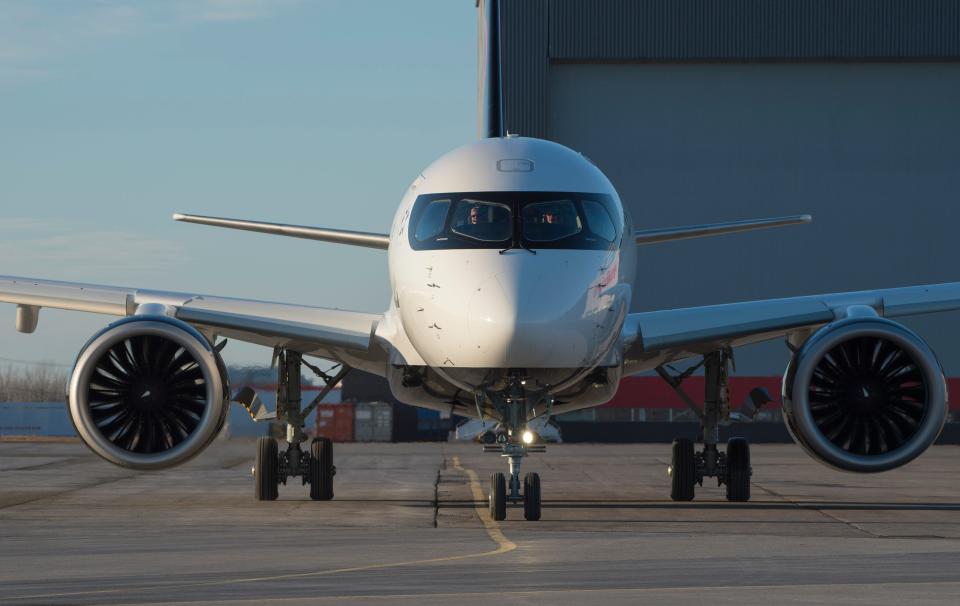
(513, 442)
(272, 467)
(688, 467)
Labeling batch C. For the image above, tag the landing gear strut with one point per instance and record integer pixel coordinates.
(512, 445)
(272, 466)
(688, 468)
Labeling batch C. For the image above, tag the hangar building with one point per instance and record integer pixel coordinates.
(714, 110)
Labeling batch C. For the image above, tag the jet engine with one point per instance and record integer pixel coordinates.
(864, 394)
(148, 392)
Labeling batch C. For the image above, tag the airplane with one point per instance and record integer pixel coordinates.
(512, 263)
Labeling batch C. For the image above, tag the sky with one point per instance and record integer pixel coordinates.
(115, 114)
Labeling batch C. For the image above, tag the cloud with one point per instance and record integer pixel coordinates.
(12, 227)
(35, 34)
(22, 74)
(232, 10)
(47, 247)
(36, 30)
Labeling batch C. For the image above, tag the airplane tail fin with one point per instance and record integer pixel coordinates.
(490, 74)
(339, 236)
(669, 234)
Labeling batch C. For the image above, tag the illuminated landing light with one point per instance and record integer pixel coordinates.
(528, 437)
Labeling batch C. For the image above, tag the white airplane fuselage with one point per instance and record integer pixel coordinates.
(474, 310)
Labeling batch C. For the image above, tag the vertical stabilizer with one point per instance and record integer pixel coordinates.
(489, 72)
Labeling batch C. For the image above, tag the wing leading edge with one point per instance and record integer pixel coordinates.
(330, 333)
(338, 236)
(671, 234)
(651, 338)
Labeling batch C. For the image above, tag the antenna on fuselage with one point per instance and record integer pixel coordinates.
(490, 71)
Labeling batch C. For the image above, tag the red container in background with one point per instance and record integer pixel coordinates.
(335, 421)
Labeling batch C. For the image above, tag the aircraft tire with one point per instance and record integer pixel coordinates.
(738, 470)
(321, 469)
(531, 497)
(498, 496)
(683, 470)
(265, 470)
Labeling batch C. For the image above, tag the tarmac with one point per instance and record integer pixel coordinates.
(408, 525)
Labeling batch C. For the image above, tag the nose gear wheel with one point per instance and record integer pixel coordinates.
(531, 497)
(498, 496)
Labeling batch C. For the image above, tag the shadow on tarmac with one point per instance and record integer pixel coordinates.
(820, 505)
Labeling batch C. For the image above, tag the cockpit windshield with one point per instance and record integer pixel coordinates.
(482, 220)
(550, 221)
(504, 219)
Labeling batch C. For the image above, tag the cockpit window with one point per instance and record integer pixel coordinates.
(550, 221)
(502, 220)
(432, 221)
(482, 220)
(599, 220)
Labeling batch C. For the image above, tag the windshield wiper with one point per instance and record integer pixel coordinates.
(518, 244)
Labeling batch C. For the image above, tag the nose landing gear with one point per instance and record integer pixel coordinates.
(503, 491)
(514, 444)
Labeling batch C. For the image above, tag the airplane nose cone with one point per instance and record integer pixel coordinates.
(527, 321)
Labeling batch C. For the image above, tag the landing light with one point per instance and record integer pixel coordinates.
(528, 437)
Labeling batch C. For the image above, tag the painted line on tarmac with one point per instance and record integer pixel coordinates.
(493, 531)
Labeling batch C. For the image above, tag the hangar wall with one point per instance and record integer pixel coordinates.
(710, 111)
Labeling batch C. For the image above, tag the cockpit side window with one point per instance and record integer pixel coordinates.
(617, 214)
(599, 220)
(432, 221)
(483, 220)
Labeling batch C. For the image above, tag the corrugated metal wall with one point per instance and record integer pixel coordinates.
(538, 32)
(753, 29)
(524, 27)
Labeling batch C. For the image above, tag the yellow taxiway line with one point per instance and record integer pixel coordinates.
(493, 529)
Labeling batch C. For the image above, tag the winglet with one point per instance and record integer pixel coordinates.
(340, 236)
(669, 234)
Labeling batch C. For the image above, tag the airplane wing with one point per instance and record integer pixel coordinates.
(657, 337)
(335, 334)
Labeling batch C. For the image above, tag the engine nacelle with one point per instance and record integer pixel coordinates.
(148, 392)
(864, 394)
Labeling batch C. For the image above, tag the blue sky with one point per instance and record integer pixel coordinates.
(115, 114)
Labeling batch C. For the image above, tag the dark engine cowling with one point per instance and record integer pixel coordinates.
(148, 392)
(865, 395)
